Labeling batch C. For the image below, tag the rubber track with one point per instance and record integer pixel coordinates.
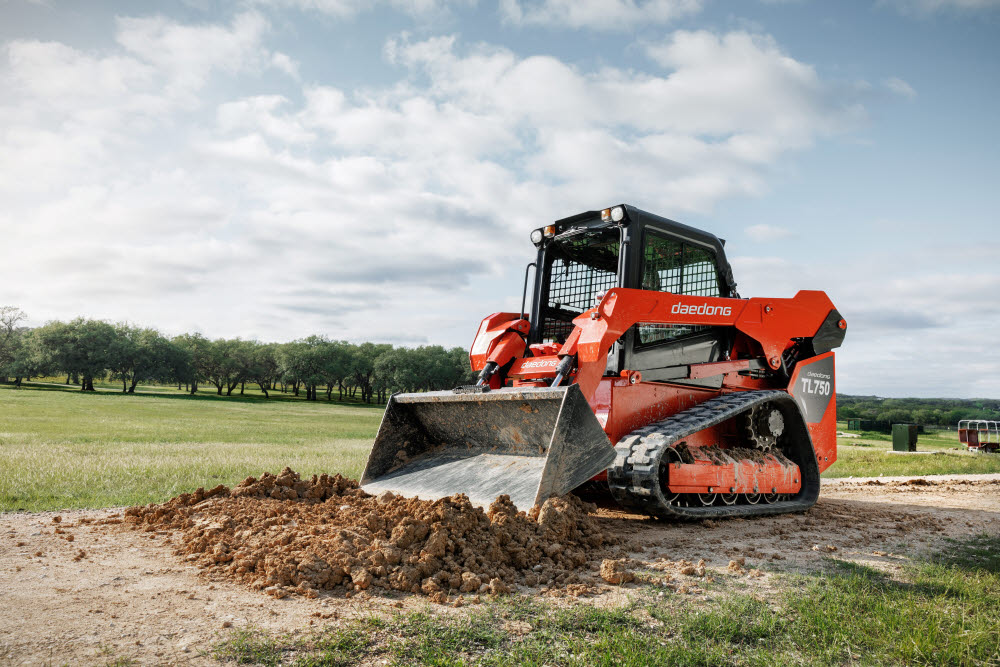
(633, 477)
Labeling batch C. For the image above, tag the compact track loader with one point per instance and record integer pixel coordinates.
(639, 369)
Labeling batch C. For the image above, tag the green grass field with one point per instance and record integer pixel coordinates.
(61, 448)
(938, 453)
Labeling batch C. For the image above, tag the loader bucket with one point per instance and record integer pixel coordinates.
(527, 443)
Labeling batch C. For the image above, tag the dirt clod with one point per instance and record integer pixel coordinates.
(615, 571)
(285, 535)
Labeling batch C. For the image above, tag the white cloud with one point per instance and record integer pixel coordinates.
(610, 15)
(909, 334)
(900, 87)
(722, 110)
(740, 82)
(928, 7)
(188, 54)
(350, 8)
(768, 232)
(55, 71)
(162, 65)
(135, 187)
(259, 113)
(286, 64)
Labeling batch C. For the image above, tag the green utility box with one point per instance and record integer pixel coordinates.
(904, 437)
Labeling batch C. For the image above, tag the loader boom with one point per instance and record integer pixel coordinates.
(773, 323)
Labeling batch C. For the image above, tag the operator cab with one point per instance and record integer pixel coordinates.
(583, 256)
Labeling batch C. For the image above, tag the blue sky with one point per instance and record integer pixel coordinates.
(370, 170)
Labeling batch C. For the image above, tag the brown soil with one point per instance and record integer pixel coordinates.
(616, 571)
(90, 588)
(283, 534)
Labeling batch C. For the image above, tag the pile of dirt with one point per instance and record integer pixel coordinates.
(287, 535)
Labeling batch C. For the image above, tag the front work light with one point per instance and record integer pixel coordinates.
(617, 213)
(536, 236)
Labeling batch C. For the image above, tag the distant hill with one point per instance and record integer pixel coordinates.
(928, 411)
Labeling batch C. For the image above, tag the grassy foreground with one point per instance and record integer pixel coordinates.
(937, 611)
(61, 448)
(68, 449)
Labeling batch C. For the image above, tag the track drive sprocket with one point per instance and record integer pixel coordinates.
(765, 424)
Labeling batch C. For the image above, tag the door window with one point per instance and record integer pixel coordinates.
(671, 265)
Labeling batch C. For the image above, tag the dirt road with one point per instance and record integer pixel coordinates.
(74, 591)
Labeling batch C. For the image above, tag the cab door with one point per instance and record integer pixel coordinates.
(668, 263)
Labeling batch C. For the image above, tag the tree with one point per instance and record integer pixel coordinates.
(27, 358)
(463, 367)
(334, 361)
(10, 337)
(193, 363)
(290, 364)
(138, 355)
(444, 369)
(316, 356)
(395, 371)
(363, 366)
(426, 368)
(226, 364)
(263, 364)
(79, 348)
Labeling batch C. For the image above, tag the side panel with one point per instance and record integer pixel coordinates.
(622, 407)
(813, 385)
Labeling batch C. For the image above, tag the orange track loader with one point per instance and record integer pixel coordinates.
(640, 369)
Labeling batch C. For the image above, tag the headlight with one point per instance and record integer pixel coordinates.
(536, 236)
(617, 213)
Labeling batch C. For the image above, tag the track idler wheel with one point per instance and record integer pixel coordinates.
(670, 456)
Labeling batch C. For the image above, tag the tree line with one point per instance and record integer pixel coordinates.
(927, 411)
(85, 350)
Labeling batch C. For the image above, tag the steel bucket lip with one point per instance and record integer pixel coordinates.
(482, 466)
(504, 394)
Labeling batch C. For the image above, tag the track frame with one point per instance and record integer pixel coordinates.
(635, 477)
